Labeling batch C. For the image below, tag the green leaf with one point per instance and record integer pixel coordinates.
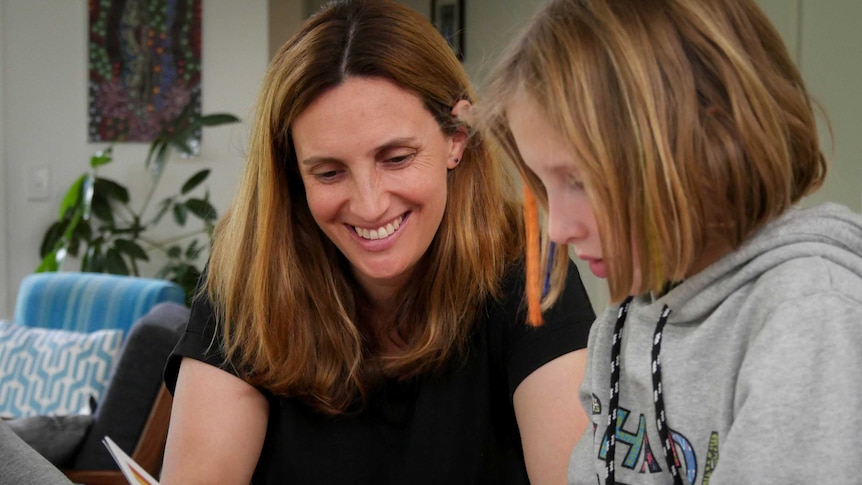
(164, 207)
(193, 250)
(73, 197)
(102, 209)
(112, 190)
(202, 209)
(52, 237)
(114, 262)
(158, 157)
(82, 232)
(131, 249)
(180, 214)
(182, 144)
(102, 157)
(87, 193)
(49, 263)
(217, 119)
(154, 145)
(194, 181)
(175, 251)
(93, 260)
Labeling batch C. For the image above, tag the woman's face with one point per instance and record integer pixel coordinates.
(570, 215)
(374, 162)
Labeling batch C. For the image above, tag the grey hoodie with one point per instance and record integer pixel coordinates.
(761, 366)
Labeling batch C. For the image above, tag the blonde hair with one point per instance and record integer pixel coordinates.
(689, 120)
(282, 292)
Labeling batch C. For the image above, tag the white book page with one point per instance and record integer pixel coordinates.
(131, 470)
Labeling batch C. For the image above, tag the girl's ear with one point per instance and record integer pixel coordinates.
(461, 112)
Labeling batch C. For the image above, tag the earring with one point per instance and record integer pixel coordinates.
(456, 161)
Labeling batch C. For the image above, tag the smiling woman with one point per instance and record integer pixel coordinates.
(372, 158)
(362, 306)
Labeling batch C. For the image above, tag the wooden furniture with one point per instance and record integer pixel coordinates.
(148, 453)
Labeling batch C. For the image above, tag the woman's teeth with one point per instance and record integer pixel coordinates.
(380, 232)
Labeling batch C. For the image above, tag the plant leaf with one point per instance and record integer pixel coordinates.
(159, 159)
(114, 262)
(112, 190)
(102, 209)
(93, 260)
(73, 197)
(193, 250)
(202, 209)
(50, 262)
(175, 251)
(194, 181)
(217, 119)
(131, 249)
(180, 214)
(102, 157)
(164, 207)
(52, 237)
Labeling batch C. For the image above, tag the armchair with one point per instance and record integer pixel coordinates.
(134, 409)
(86, 302)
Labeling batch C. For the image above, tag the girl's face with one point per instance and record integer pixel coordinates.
(374, 161)
(570, 215)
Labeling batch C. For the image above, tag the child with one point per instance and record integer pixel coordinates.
(669, 142)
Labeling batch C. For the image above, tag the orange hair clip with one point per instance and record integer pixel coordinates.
(534, 279)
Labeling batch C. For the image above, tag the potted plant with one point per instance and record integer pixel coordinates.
(98, 222)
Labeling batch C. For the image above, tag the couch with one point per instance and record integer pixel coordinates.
(134, 408)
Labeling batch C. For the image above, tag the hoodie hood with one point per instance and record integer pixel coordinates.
(829, 231)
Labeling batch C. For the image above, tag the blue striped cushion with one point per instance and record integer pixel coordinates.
(86, 302)
(53, 372)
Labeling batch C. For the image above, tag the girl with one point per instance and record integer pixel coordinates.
(670, 141)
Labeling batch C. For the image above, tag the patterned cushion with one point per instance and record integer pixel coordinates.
(53, 372)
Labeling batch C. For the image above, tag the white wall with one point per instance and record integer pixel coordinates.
(44, 101)
(5, 311)
(825, 39)
(831, 62)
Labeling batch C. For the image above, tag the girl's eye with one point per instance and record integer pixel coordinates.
(575, 183)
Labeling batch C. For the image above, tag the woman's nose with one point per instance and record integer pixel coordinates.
(369, 200)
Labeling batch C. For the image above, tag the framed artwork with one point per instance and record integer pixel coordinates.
(448, 17)
(144, 67)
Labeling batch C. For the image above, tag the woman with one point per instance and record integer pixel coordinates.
(669, 141)
(361, 319)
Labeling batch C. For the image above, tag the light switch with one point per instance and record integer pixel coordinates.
(38, 186)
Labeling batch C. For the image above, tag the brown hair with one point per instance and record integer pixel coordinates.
(689, 120)
(281, 290)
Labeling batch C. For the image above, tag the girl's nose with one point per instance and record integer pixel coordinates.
(564, 224)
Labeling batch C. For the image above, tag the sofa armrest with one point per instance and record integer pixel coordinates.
(134, 396)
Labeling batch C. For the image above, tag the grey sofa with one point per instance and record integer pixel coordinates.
(135, 408)
(134, 411)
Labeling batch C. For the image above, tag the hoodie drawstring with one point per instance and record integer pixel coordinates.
(658, 398)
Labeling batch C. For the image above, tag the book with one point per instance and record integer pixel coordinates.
(133, 472)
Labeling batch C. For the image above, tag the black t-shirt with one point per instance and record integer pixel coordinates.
(453, 428)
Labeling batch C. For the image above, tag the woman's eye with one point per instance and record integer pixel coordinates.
(327, 175)
(400, 159)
